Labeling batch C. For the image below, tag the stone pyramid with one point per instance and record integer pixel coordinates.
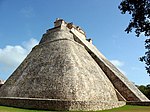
(67, 72)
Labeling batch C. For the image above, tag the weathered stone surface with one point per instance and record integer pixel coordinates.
(143, 103)
(126, 88)
(59, 69)
(59, 105)
(66, 72)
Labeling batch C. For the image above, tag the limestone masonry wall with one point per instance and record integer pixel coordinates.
(60, 105)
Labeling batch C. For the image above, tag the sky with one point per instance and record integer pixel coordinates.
(23, 22)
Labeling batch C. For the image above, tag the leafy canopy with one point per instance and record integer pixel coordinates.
(145, 90)
(140, 12)
(140, 22)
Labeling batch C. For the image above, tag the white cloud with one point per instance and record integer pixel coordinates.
(12, 56)
(118, 64)
(30, 44)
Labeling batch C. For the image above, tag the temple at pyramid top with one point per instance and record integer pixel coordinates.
(66, 72)
(60, 22)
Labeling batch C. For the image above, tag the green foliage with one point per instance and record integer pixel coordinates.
(140, 22)
(140, 12)
(145, 90)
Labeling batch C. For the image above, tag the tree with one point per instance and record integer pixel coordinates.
(145, 90)
(140, 23)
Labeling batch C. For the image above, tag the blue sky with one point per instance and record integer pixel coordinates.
(22, 23)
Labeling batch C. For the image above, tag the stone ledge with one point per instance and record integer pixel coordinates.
(56, 104)
(143, 103)
(55, 40)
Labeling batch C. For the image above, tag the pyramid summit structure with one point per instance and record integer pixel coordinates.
(67, 72)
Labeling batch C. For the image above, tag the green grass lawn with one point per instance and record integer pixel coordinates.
(126, 108)
(130, 108)
(11, 109)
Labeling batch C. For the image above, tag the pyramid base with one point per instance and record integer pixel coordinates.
(139, 103)
(55, 104)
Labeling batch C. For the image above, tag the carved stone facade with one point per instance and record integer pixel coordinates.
(67, 72)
